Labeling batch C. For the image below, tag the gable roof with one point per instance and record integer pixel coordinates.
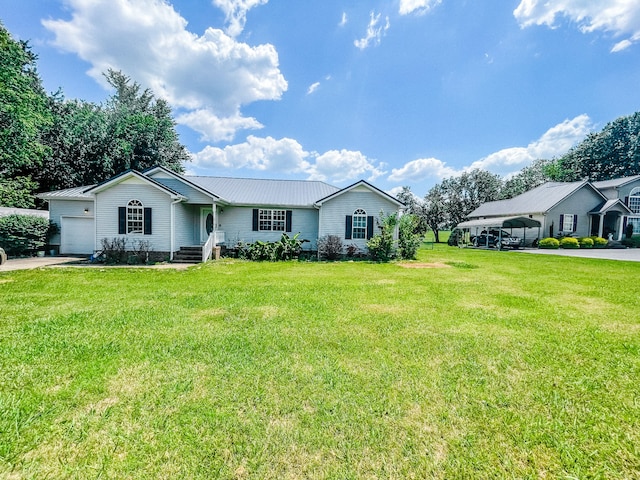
(538, 200)
(611, 204)
(615, 182)
(253, 191)
(180, 178)
(128, 174)
(376, 190)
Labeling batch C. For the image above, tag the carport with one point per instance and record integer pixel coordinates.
(486, 224)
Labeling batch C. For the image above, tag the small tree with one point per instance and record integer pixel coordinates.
(629, 230)
(330, 247)
(382, 246)
(408, 240)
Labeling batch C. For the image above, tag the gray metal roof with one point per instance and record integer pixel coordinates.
(68, 193)
(252, 191)
(501, 222)
(615, 182)
(610, 204)
(539, 200)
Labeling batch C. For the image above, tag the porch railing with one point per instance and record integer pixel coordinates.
(214, 239)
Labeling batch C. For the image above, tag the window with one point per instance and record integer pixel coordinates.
(634, 201)
(359, 224)
(135, 217)
(568, 222)
(272, 220)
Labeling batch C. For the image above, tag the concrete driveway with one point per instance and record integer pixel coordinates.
(626, 254)
(36, 262)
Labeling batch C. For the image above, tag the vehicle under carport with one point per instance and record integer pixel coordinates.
(485, 225)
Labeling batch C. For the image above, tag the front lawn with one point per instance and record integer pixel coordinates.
(478, 364)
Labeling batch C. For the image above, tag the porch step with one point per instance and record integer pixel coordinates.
(188, 255)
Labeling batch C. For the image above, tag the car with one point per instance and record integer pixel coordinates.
(496, 239)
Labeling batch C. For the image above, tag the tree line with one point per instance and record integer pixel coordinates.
(49, 142)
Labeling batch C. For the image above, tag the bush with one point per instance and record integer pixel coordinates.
(549, 243)
(114, 250)
(633, 242)
(330, 247)
(20, 234)
(599, 242)
(585, 242)
(629, 230)
(569, 242)
(287, 248)
(408, 240)
(381, 246)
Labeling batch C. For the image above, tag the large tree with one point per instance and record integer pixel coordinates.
(468, 191)
(526, 179)
(90, 143)
(23, 116)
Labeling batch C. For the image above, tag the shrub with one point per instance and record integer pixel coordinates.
(585, 242)
(381, 246)
(20, 234)
(330, 247)
(286, 248)
(599, 242)
(114, 250)
(629, 230)
(569, 242)
(353, 251)
(408, 240)
(633, 242)
(549, 243)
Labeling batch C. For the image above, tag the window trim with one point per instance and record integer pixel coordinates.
(273, 220)
(564, 222)
(633, 201)
(359, 224)
(134, 217)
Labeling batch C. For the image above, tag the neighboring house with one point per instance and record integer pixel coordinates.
(172, 211)
(579, 209)
(6, 211)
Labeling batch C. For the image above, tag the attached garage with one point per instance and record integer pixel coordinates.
(77, 235)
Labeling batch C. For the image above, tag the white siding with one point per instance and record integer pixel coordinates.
(187, 218)
(333, 212)
(68, 208)
(237, 225)
(108, 201)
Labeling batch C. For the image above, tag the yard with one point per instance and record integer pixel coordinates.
(476, 364)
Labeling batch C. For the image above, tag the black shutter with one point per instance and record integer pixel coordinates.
(147, 221)
(289, 214)
(561, 222)
(122, 220)
(575, 223)
(255, 219)
(626, 201)
(348, 227)
(369, 227)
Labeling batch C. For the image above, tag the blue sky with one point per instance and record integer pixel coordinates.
(402, 92)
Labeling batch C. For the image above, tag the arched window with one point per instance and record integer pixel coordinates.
(359, 224)
(135, 217)
(634, 200)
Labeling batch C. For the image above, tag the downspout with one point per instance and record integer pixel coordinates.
(172, 236)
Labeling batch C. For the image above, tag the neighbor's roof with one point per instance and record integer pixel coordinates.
(615, 182)
(77, 193)
(253, 191)
(539, 200)
(5, 211)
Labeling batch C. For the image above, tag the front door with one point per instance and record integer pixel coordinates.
(206, 223)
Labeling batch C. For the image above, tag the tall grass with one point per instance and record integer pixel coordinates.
(493, 365)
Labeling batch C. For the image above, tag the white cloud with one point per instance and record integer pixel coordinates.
(619, 17)
(420, 7)
(313, 87)
(236, 13)
(287, 156)
(342, 165)
(343, 20)
(554, 142)
(421, 169)
(374, 32)
(148, 41)
(214, 128)
(263, 154)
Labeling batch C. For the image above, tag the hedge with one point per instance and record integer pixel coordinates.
(20, 234)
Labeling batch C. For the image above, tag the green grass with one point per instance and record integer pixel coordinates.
(501, 365)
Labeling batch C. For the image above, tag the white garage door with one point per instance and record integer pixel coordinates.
(77, 235)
